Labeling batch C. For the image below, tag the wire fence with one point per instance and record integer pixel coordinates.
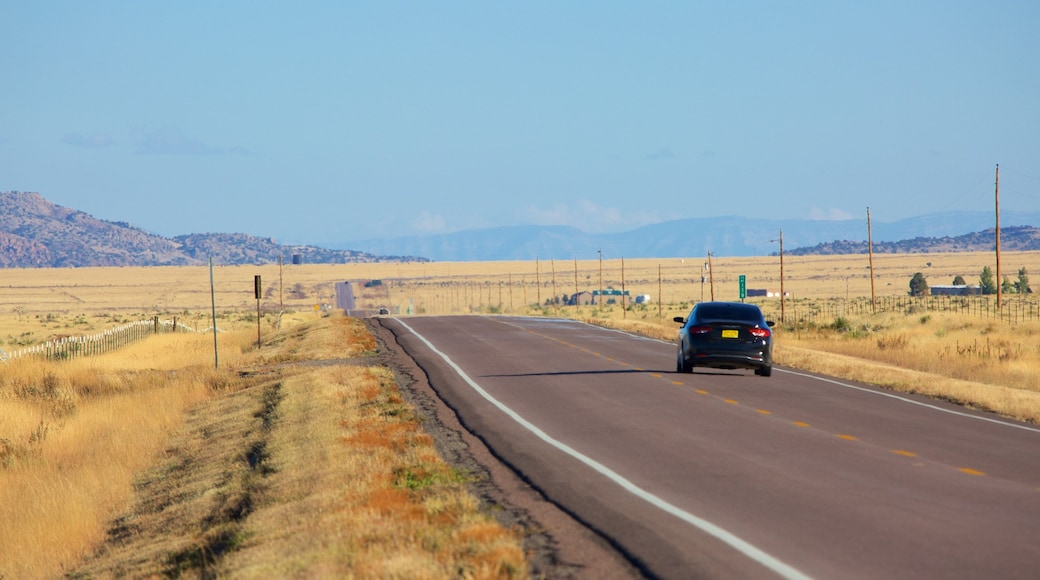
(1013, 310)
(70, 347)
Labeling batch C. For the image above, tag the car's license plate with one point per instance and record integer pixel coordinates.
(730, 333)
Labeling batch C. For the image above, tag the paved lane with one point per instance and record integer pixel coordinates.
(726, 474)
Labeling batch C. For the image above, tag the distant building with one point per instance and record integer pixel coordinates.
(956, 290)
(763, 292)
(580, 299)
(609, 296)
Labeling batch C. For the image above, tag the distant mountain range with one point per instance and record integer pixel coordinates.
(37, 233)
(722, 236)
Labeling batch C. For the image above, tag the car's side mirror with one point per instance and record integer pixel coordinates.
(680, 319)
(771, 323)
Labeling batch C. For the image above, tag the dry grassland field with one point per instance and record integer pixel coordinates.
(86, 444)
(452, 287)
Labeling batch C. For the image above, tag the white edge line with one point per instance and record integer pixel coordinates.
(742, 546)
(911, 401)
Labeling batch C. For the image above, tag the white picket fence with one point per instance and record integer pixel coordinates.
(70, 347)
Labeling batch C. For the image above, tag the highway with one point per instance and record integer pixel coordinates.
(724, 474)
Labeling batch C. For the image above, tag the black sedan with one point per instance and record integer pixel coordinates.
(725, 335)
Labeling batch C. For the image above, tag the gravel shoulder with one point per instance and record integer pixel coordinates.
(558, 545)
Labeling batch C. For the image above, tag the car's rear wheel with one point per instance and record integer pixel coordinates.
(682, 365)
(764, 371)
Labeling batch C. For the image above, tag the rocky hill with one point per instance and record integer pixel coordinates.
(1012, 239)
(35, 233)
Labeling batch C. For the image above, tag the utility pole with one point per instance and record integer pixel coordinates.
(624, 305)
(213, 303)
(537, 282)
(704, 279)
(711, 277)
(781, 240)
(555, 298)
(600, 277)
(1000, 281)
(576, 291)
(870, 252)
(660, 291)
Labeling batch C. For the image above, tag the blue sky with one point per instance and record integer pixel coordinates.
(325, 122)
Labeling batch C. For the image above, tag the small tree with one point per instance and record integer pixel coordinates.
(1022, 284)
(918, 285)
(959, 281)
(986, 281)
(1006, 287)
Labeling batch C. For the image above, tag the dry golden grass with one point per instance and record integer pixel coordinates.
(373, 498)
(72, 436)
(307, 469)
(981, 363)
(68, 295)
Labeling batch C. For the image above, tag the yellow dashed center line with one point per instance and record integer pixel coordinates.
(845, 437)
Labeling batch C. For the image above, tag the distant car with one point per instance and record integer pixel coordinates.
(725, 335)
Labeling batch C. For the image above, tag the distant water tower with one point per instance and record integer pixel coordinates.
(297, 259)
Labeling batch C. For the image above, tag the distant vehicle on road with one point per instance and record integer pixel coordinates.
(725, 335)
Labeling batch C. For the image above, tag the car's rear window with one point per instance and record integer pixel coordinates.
(741, 312)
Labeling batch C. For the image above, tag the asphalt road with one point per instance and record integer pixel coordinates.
(724, 474)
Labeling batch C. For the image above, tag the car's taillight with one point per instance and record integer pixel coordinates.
(759, 332)
(700, 329)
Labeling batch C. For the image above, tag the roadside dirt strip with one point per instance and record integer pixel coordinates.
(633, 469)
(558, 545)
